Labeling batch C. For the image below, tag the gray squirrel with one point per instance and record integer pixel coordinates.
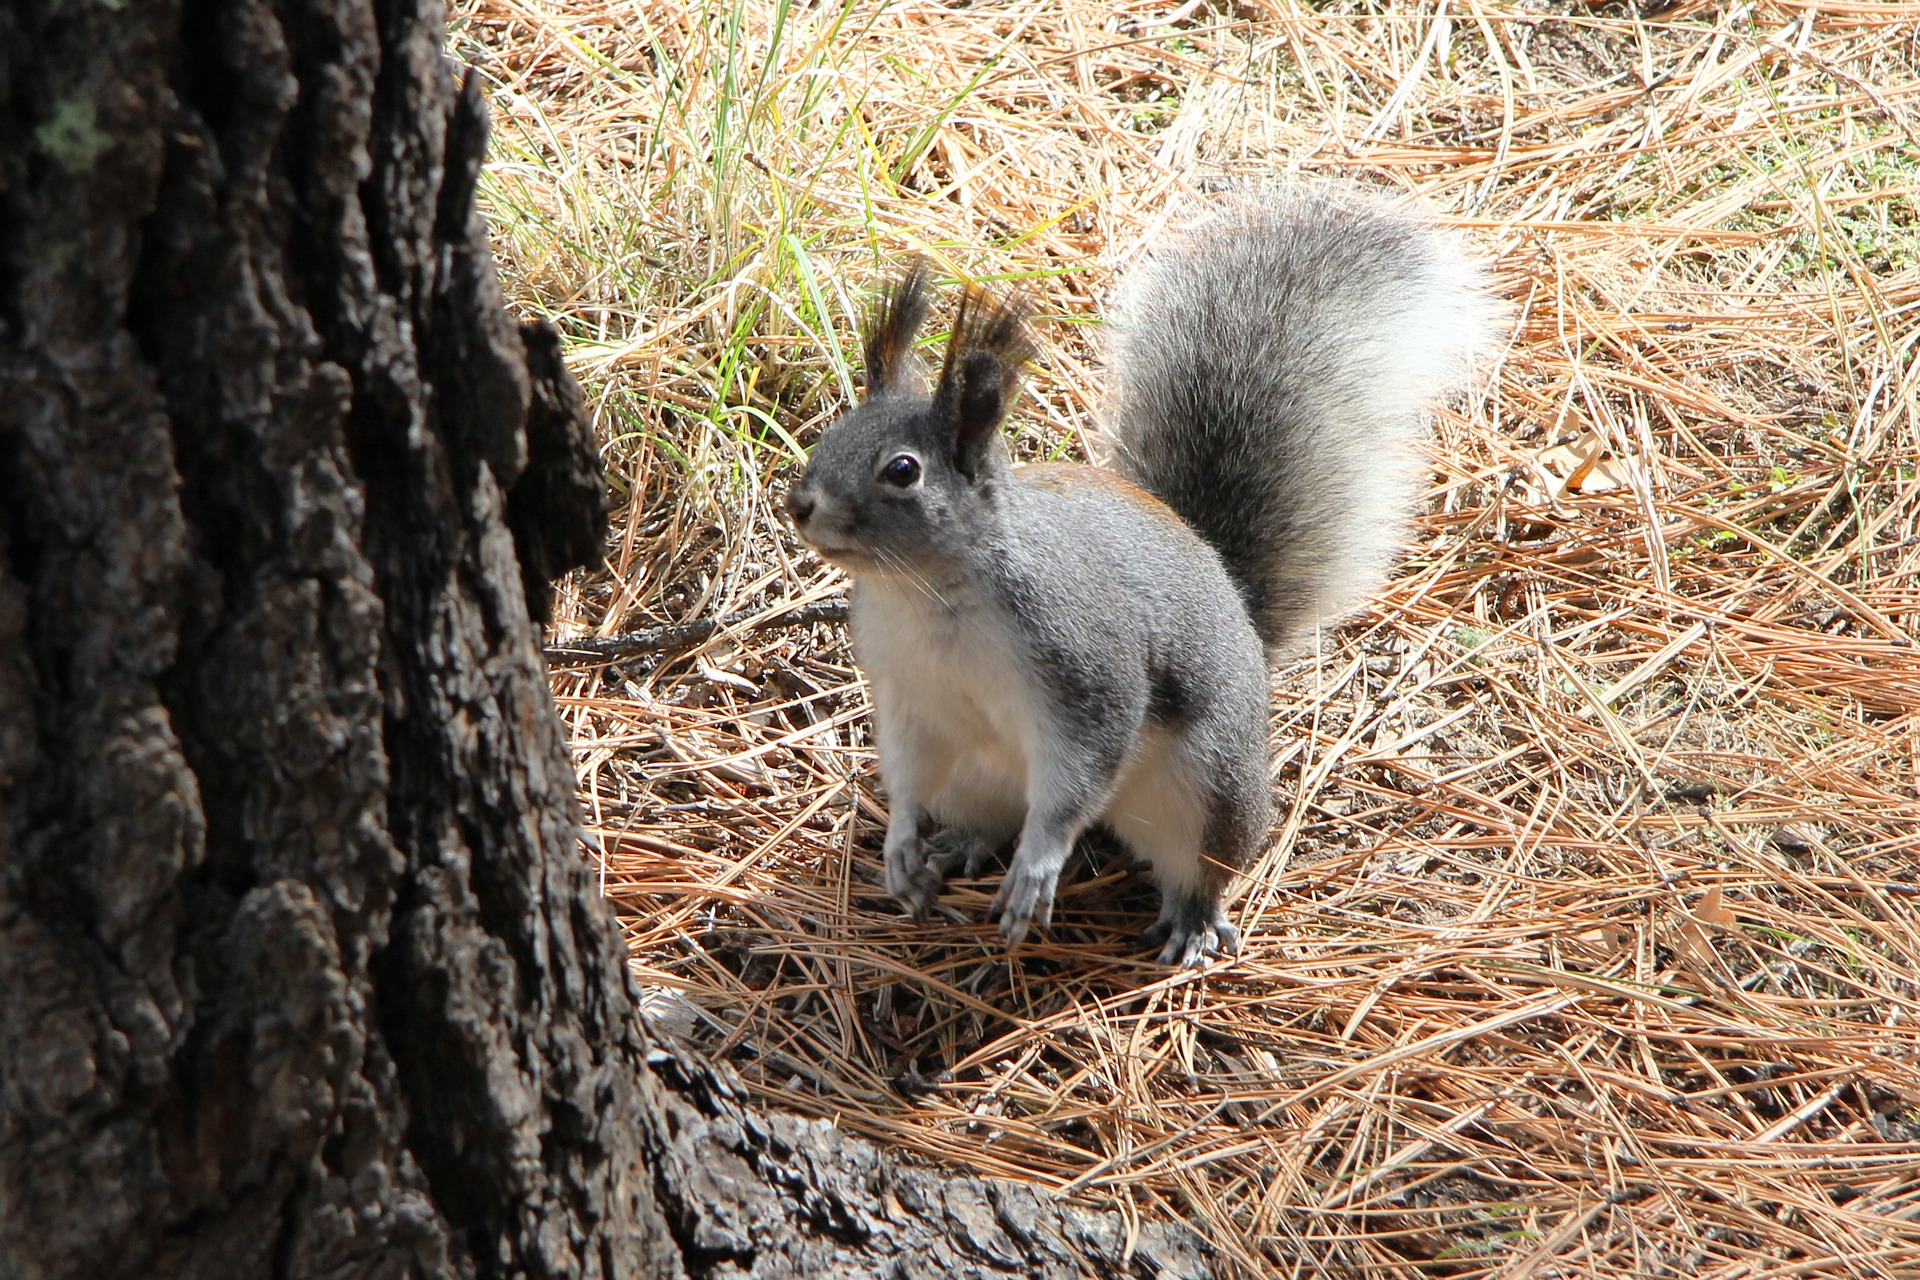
(1057, 645)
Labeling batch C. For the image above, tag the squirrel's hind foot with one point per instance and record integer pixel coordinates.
(951, 848)
(1191, 930)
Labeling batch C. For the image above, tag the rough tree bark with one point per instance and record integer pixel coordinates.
(300, 972)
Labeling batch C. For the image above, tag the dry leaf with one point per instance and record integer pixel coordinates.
(1709, 910)
(1607, 937)
(1581, 467)
(1693, 941)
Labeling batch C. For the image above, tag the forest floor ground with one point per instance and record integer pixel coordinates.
(1588, 942)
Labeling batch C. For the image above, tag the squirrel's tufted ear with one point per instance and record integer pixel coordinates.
(893, 325)
(981, 372)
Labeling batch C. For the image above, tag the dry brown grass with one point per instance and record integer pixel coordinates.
(1597, 950)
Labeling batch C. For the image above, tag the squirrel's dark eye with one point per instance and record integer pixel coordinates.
(902, 471)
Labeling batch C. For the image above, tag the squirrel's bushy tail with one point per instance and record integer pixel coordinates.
(1273, 364)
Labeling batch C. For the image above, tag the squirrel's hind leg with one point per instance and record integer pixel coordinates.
(1194, 830)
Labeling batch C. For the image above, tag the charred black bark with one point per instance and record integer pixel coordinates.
(300, 972)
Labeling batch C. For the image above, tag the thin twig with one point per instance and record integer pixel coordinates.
(687, 635)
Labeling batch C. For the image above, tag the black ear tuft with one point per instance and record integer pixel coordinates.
(982, 371)
(893, 325)
(984, 388)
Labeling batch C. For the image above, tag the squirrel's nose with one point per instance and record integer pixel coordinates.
(799, 505)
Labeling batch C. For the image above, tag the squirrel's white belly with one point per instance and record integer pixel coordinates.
(953, 708)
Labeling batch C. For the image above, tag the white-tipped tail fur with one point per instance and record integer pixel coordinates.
(1273, 365)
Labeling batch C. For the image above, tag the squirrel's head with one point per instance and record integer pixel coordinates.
(892, 485)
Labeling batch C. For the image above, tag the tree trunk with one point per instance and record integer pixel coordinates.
(300, 970)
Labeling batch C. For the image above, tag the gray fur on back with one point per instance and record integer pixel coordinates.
(1274, 364)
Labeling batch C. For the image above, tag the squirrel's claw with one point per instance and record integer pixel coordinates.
(1190, 942)
(1193, 950)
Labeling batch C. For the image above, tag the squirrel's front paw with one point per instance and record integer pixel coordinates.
(909, 878)
(1025, 900)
